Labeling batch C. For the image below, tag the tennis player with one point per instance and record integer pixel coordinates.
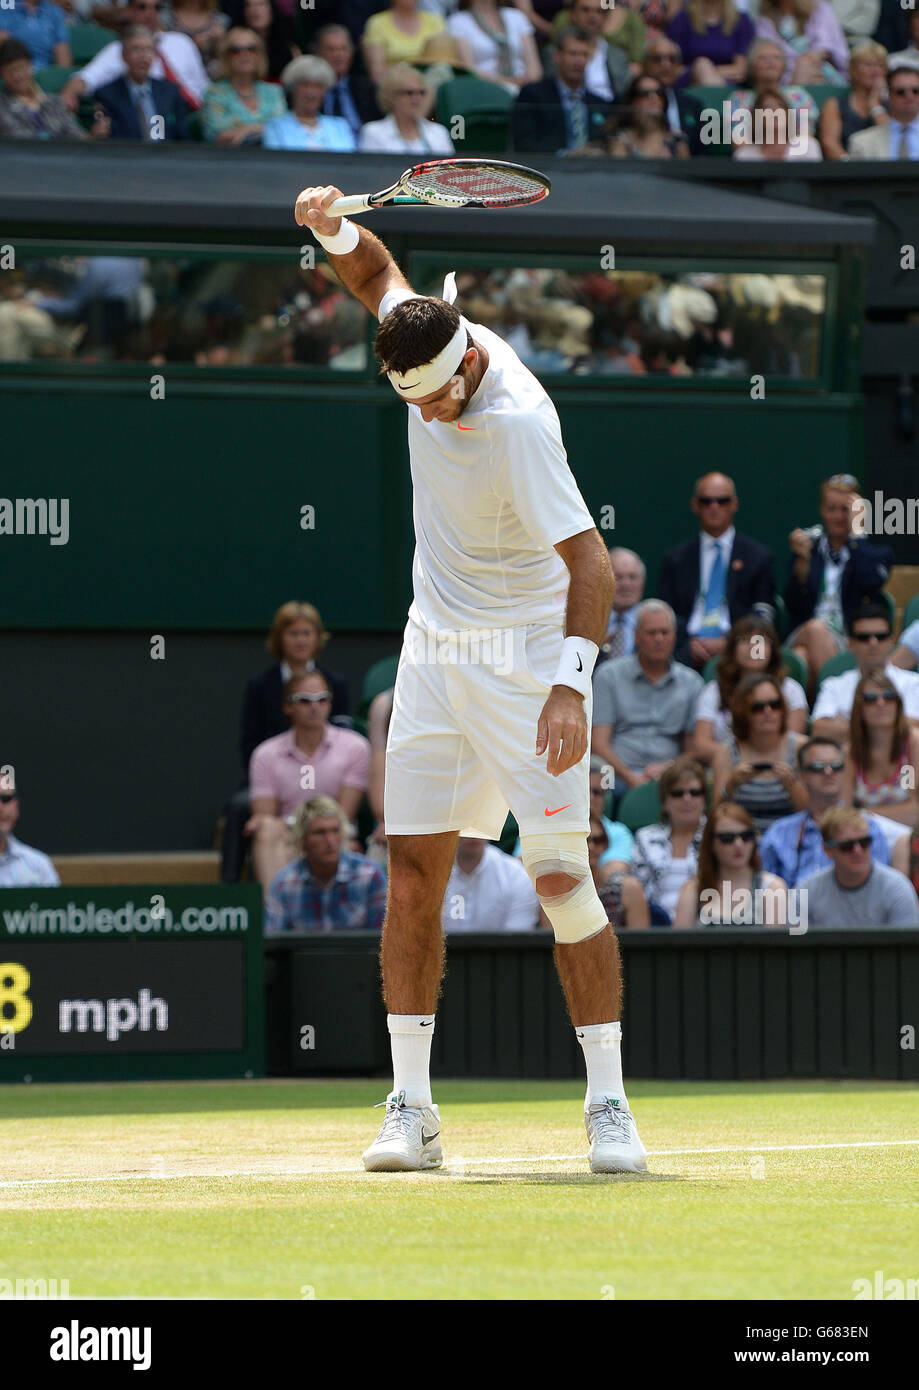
(492, 701)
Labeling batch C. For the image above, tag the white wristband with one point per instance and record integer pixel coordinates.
(344, 240)
(576, 663)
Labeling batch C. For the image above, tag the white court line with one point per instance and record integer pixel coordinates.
(471, 1162)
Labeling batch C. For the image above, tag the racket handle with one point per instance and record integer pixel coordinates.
(350, 206)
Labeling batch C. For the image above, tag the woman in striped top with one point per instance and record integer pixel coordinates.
(756, 766)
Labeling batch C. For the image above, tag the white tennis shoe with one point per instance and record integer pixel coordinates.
(614, 1143)
(409, 1138)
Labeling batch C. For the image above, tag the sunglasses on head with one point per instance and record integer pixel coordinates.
(836, 766)
(847, 846)
(727, 837)
(757, 706)
(714, 501)
(870, 636)
(871, 697)
(7, 797)
(688, 791)
(305, 698)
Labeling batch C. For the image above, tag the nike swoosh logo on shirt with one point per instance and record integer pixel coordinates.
(557, 809)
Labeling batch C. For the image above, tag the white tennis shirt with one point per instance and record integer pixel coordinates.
(493, 493)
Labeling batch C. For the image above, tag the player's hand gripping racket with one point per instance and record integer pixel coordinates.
(453, 183)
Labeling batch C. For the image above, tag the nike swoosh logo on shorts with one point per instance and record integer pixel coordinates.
(466, 427)
(557, 809)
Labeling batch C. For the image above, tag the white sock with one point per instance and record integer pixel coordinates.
(410, 1039)
(601, 1043)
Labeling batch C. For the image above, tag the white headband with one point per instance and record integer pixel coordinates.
(421, 381)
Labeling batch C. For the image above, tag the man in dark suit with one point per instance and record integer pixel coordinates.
(352, 97)
(716, 577)
(663, 61)
(559, 114)
(136, 106)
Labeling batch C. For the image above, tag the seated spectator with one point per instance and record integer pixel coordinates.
(406, 95)
(792, 846)
(891, 32)
(240, 102)
(862, 108)
(105, 297)
(776, 133)
(296, 638)
(313, 756)
(883, 752)
(20, 865)
(629, 573)
(730, 888)
(899, 138)
(752, 645)
(684, 112)
(560, 113)
(766, 61)
(666, 854)
(26, 112)
(620, 893)
(203, 23)
(858, 18)
(495, 43)
(351, 96)
(832, 573)
(488, 891)
(644, 704)
(621, 844)
(26, 330)
(42, 27)
(542, 14)
(906, 655)
(306, 81)
(856, 892)
(812, 40)
(275, 29)
(177, 60)
(642, 131)
(327, 887)
(870, 642)
(607, 72)
(757, 766)
(138, 106)
(908, 55)
(624, 28)
(716, 577)
(398, 34)
(714, 39)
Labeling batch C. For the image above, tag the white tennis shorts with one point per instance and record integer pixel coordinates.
(462, 736)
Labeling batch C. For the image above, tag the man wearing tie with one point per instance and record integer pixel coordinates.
(629, 574)
(560, 113)
(138, 107)
(712, 580)
(351, 97)
(899, 137)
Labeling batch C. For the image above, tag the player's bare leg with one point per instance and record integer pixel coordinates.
(591, 978)
(412, 957)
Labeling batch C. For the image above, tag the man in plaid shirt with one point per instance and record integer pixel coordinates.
(326, 888)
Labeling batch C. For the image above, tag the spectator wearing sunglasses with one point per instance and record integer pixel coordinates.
(792, 847)
(899, 138)
(240, 102)
(21, 866)
(407, 97)
(663, 62)
(856, 892)
(752, 645)
(313, 757)
(833, 572)
(620, 893)
(756, 767)
(666, 854)
(730, 887)
(883, 752)
(177, 60)
(715, 577)
(871, 643)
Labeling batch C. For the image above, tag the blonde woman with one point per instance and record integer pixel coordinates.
(397, 35)
(204, 24)
(496, 44)
(714, 39)
(811, 36)
(239, 103)
(406, 96)
(863, 107)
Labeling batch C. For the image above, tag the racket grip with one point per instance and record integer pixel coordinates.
(350, 206)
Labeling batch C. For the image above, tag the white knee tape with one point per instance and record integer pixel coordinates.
(579, 913)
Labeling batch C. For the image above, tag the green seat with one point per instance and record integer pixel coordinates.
(485, 108)
(640, 806)
(86, 40)
(380, 677)
(795, 667)
(911, 612)
(891, 603)
(842, 661)
(54, 79)
(822, 91)
(710, 669)
(782, 621)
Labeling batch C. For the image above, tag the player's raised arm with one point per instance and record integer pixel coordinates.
(359, 259)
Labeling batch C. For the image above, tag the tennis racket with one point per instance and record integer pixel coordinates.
(453, 183)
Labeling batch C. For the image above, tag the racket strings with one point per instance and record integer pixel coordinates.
(483, 183)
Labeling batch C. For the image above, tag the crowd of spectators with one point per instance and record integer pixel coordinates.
(801, 79)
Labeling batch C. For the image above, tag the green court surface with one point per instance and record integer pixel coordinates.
(775, 1190)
